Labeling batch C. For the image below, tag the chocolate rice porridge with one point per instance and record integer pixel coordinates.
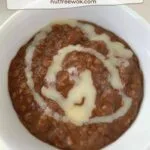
(76, 86)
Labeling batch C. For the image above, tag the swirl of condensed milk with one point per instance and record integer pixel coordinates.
(83, 87)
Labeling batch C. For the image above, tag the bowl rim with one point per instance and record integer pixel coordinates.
(125, 8)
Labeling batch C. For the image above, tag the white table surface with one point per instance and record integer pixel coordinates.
(142, 9)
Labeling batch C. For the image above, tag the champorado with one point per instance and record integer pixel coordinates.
(75, 85)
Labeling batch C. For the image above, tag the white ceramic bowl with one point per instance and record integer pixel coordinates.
(21, 27)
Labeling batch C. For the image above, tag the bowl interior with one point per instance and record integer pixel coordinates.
(24, 24)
